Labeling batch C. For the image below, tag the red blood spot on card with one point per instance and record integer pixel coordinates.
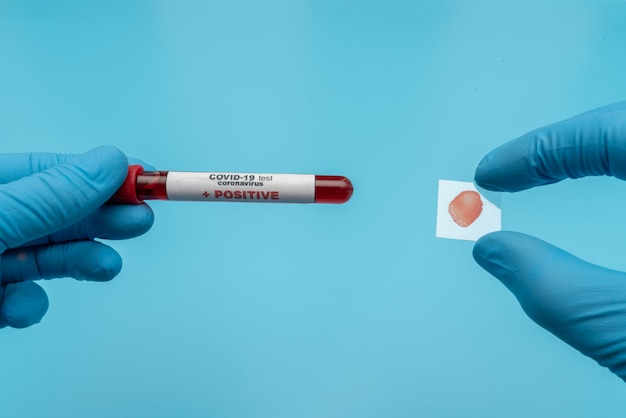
(465, 208)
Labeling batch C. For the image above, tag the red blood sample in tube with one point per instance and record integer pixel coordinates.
(332, 189)
(151, 185)
(465, 208)
(143, 185)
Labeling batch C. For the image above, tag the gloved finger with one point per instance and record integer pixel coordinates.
(118, 222)
(581, 303)
(16, 166)
(590, 144)
(81, 260)
(23, 305)
(45, 202)
(107, 222)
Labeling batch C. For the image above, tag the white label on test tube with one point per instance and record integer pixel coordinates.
(241, 187)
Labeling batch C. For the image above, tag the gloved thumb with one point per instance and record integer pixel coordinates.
(45, 202)
(581, 303)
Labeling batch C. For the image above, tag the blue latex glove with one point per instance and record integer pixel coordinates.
(581, 303)
(51, 210)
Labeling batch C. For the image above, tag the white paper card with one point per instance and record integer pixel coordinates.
(463, 212)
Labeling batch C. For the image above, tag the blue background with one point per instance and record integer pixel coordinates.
(234, 310)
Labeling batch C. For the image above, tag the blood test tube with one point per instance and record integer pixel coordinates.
(143, 185)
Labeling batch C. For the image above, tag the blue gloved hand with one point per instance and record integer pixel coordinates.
(581, 303)
(51, 210)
